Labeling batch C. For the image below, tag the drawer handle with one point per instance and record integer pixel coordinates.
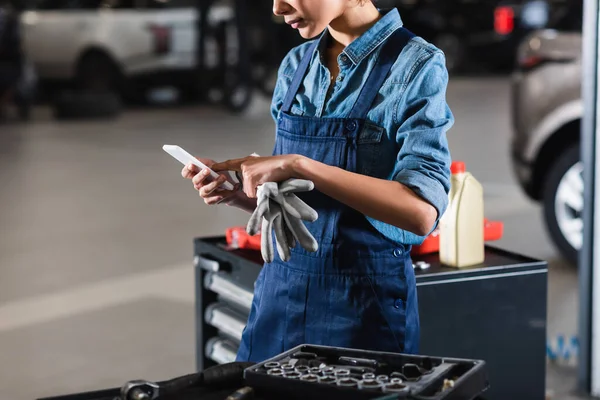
(211, 264)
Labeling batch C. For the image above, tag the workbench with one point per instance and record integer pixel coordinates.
(494, 312)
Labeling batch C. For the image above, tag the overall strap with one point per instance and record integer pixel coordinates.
(388, 56)
(299, 77)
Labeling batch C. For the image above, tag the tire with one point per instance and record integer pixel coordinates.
(267, 81)
(562, 199)
(87, 105)
(238, 97)
(454, 51)
(97, 74)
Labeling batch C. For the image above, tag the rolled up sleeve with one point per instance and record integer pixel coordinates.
(423, 162)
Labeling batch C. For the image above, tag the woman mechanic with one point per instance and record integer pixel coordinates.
(361, 111)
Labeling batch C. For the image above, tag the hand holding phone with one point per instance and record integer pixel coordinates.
(186, 158)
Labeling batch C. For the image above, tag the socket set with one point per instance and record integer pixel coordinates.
(321, 372)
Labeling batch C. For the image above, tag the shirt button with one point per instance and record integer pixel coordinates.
(397, 253)
(344, 58)
(351, 125)
(398, 303)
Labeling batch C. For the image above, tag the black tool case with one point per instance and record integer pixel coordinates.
(421, 377)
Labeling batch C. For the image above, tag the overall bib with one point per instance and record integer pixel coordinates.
(358, 290)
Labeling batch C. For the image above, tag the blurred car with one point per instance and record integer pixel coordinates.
(546, 116)
(114, 45)
(480, 30)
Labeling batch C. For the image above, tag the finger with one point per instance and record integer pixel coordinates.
(214, 200)
(206, 161)
(189, 171)
(199, 178)
(207, 190)
(229, 165)
(303, 210)
(249, 189)
(266, 247)
(271, 189)
(296, 185)
(288, 234)
(302, 235)
(254, 224)
(220, 194)
(283, 248)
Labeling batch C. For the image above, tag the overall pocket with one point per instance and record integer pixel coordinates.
(369, 149)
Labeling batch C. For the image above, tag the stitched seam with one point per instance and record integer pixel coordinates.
(377, 41)
(417, 67)
(340, 273)
(383, 314)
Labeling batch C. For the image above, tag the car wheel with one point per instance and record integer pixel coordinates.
(97, 73)
(238, 95)
(563, 203)
(266, 79)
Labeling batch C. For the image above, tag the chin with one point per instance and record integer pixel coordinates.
(309, 33)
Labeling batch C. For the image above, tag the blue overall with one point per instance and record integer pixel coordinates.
(358, 290)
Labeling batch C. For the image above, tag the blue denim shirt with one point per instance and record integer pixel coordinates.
(404, 138)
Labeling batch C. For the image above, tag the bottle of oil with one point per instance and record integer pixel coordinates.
(461, 226)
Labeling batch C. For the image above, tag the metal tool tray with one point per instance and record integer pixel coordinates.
(469, 376)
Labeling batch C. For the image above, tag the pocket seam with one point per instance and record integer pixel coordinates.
(293, 136)
(370, 140)
(385, 317)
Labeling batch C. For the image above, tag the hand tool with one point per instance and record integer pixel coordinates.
(245, 393)
(359, 362)
(231, 374)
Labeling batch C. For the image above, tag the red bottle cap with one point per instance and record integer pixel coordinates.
(458, 167)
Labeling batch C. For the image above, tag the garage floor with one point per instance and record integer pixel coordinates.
(97, 226)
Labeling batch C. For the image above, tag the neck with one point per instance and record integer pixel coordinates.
(353, 23)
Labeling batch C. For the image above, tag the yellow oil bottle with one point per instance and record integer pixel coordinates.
(462, 225)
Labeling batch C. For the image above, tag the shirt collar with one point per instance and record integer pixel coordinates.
(364, 45)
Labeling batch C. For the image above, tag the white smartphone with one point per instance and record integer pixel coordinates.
(186, 158)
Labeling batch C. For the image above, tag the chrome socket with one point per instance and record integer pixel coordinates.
(293, 375)
(302, 369)
(347, 382)
(275, 372)
(328, 371)
(310, 378)
(287, 368)
(370, 384)
(395, 388)
(341, 373)
(328, 380)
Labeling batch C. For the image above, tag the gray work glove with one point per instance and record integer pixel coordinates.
(279, 209)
